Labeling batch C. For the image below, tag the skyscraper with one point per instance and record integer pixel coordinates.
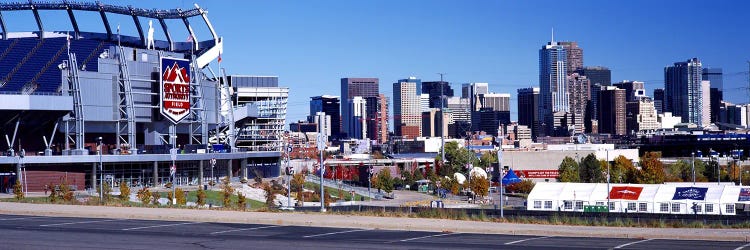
(633, 89)
(553, 65)
(382, 119)
(495, 101)
(574, 56)
(706, 109)
(330, 105)
(716, 77)
(528, 103)
(433, 90)
(358, 116)
(407, 114)
(659, 100)
(351, 87)
(683, 92)
(597, 75)
(612, 111)
(579, 86)
(472, 91)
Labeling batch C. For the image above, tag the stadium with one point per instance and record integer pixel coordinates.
(86, 106)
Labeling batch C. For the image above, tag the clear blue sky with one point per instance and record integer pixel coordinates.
(310, 45)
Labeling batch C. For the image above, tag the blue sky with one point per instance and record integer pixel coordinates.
(310, 45)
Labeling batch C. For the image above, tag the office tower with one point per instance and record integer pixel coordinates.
(358, 115)
(431, 123)
(495, 101)
(424, 102)
(574, 56)
(706, 109)
(351, 87)
(490, 121)
(382, 119)
(460, 121)
(641, 116)
(634, 90)
(327, 123)
(683, 92)
(528, 103)
(331, 106)
(659, 100)
(433, 90)
(579, 88)
(552, 84)
(472, 91)
(597, 75)
(407, 114)
(612, 111)
(716, 77)
(303, 126)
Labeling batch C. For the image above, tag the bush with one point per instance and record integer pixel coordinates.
(523, 187)
(107, 192)
(270, 194)
(18, 190)
(180, 197)
(124, 191)
(65, 193)
(241, 201)
(52, 193)
(226, 192)
(144, 195)
(201, 197)
(170, 197)
(155, 198)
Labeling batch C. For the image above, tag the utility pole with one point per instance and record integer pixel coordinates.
(442, 120)
(693, 164)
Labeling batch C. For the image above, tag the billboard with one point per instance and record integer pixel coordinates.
(744, 194)
(625, 193)
(690, 193)
(174, 90)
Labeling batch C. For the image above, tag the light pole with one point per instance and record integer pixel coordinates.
(693, 165)
(101, 170)
(608, 207)
(442, 120)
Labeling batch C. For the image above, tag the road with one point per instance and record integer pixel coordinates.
(39, 232)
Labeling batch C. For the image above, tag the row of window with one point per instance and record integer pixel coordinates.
(633, 206)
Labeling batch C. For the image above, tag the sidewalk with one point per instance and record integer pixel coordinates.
(389, 223)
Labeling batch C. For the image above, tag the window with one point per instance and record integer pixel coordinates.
(664, 207)
(537, 204)
(579, 205)
(698, 208)
(675, 207)
(709, 208)
(631, 206)
(548, 204)
(642, 207)
(730, 208)
(611, 206)
(600, 203)
(567, 205)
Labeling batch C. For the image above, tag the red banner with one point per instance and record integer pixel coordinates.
(539, 174)
(625, 193)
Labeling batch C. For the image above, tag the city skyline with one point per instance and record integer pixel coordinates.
(493, 42)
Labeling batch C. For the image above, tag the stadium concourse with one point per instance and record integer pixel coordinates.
(667, 198)
(83, 105)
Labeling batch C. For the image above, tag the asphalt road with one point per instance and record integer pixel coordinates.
(36, 232)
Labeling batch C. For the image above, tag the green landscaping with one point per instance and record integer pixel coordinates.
(332, 191)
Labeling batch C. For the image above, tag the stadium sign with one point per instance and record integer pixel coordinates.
(174, 92)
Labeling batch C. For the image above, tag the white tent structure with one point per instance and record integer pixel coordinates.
(669, 198)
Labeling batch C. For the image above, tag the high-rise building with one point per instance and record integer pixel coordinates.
(330, 105)
(459, 111)
(634, 90)
(472, 91)
(553, 91)
(424, 102)
(579, 87)
(382, 119)
(716, 77)
(641, 116)
(659, 100)
(490, 121)
(683, 91)
(597, 75)
(706, 109)
(407, 113)
(528, 103)
(495, 101)
(431, 123)
(612, 111)
(358, 115)
(326, 122)
(574, 56)
(433, 90)
(351, 87)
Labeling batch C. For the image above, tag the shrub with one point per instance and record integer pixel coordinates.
(523, 187)
(201, 197)
(180, 197)
(270, 194)
(170, 197)
(226, 192)
(52, 193)
(18, 190)
(124, 191)
(155, 198)
(107, 191)
(65, 193)
(241, 201)
(144, 195)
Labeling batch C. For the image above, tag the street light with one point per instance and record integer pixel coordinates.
(693, 165)
(101, 169)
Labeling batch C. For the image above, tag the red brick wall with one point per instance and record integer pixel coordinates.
(37, 179)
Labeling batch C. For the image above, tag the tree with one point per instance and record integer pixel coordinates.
(523, 187)
(622, 170)
(18, 190)
(568, 171)
(451, 184)
(385, 180)
(487, 158)
(591, 171)
(241, 201)
(679, 171)
(652, 170)
(269, 194)
(107, 191)
(226, 192)
(480, 185)
(180, 196)
(200, 197)
(124, 191)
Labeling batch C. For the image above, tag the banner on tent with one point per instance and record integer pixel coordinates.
(744, 194)
(690, 193)
(625, 193)
(540, 174)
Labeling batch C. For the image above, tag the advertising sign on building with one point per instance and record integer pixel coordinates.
(744, 194)
(625, 193)
(690, 193)
(174, 91)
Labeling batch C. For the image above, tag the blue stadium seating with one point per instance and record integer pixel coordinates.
(49, 80)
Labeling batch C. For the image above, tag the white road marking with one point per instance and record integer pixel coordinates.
(342, 232)
(167, 225)
(631, 243)
(19, 218)
(743, 246)
(428, 236)
(77, 222)
(519, 241)
(243, 229)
